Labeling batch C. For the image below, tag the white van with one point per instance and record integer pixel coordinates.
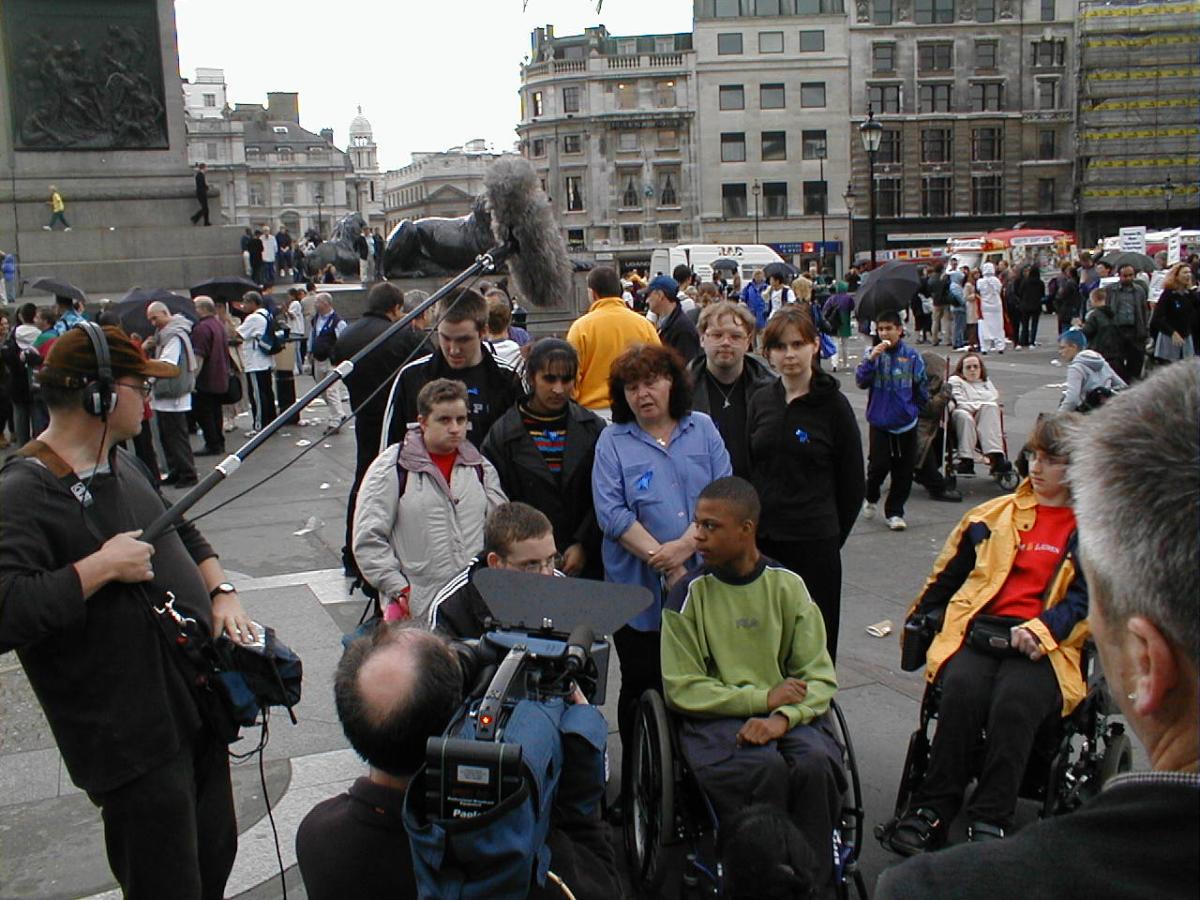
(700, 257)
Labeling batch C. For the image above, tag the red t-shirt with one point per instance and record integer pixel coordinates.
(1038, 553)
(445, 462)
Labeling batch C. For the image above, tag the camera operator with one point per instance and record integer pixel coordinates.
(394, 689)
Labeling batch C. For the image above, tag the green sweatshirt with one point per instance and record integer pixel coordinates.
(726, 642)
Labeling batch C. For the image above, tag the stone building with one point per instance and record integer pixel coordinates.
(977, 100)
(609, 121)
(366, 181)
(443, 184)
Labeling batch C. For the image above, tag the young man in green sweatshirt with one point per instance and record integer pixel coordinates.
(744, 659)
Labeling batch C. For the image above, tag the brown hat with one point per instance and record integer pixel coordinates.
(72, 360)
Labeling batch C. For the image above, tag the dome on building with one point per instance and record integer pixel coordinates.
(359, 126)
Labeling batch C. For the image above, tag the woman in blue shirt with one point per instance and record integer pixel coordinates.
(651, 465)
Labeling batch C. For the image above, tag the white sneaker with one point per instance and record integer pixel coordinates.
(896, 523)
(868, 510)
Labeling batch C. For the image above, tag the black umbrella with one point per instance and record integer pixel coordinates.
(131, 309)
(891, 286)
(224, 287)
(1140, 261)
(786, 271)
(59, 288)
(726, 264)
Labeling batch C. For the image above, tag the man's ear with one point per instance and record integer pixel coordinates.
(493, 560)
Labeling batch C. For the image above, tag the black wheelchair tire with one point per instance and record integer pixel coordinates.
(1008, 480)
(649, 790)
(913, 773)
(1118, 758)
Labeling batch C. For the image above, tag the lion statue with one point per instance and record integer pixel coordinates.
(339, 249)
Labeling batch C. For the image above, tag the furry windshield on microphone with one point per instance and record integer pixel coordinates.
(521, 210)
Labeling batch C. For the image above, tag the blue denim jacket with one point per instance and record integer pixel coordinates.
(634, 479)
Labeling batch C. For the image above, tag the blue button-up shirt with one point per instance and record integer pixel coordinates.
(636, 480)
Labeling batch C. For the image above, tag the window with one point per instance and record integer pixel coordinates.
(770, 42)
(884, 13)
(819, 7)
(733, 201)
(536, 103)
(986, 195)
(733, 147)
(812, 42)
(210, 101)
(816, 198)
(668, 139)
(1049, 53)
(732, 96)
(630, 198)
(255, 190)
(664, 93)
(812, 94)
(575, 239)
(933, 12)
(669, 233)
(279, 129)
(1047, 93)
(884, 98)
(767, 8)
(883, 57)
(574, 186)
(729, 44)
(626, 95)
(1047, 10)
(812, 145)
(985, 10)
(935, 195)
(666, 190)
(935, 145)
(664, 44)
(1047, 144)
(985, 144)
(771, 96)
(1045, 195)
(627, 140)
(889, 146)
(775, 199)
(728, 9)
(285, 154)
(570, 99)
(935, 57)
(987, 96)
(889, 197)
(774, 146)
(287, 193)
(934, 98)
(537, 148)
(572, 143)
(985, 54)
(627, 48)
(210, 150)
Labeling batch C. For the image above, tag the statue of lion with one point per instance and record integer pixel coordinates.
(438, 246)
(339, 249)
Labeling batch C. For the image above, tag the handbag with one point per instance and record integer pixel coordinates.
(992, 635)
(233, 393)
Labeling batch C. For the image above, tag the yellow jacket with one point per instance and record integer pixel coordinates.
(56, 202)
(599, 336)
(973, 566)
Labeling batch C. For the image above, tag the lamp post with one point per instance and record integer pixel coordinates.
(872, 135)
(1168, 190)
(824, 203)
(848, 198)
(320, 198)
(755, 190)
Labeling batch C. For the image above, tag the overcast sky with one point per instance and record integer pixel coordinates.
(429, 74)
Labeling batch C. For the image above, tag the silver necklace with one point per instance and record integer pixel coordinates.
(726, 394)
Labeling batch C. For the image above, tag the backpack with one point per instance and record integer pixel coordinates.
(275, 337)
(180, 385)
(323, 343)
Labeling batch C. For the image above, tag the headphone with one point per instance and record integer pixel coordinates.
(98, 393)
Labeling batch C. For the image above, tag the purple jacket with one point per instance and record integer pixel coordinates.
(210, 341)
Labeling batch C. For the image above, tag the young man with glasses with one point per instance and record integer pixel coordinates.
(516, 537)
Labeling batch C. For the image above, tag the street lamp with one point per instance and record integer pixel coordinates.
(320, 198)
(848, 198)
(872, 135)
(1168, 190)
(755, 190)
(824, 203)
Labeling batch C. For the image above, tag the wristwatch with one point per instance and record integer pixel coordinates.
(223, 588)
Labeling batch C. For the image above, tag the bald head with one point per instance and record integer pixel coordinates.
(158, 314)
(205, 307)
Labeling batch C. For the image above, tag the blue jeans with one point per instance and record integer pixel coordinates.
(960, 326)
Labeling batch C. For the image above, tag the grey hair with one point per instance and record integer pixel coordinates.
(205, 305)
(157, 306)
(1135, 474)
(413, 299)
(323, 295)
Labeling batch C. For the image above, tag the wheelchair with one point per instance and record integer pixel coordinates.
(1007, 480)
(1073, 757)
(667, 813)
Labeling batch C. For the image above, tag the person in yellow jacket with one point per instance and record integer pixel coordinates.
(57, 208)
(1010, 564)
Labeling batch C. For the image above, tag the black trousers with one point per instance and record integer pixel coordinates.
(285, 392)
(202, 212)
(640, 656)
(368, 431)
(1009, 697)
(819, 563)
(172, 832)
(262, 397)
(210, 418)
(895, 455)
(1133, 359)
(1028, 328)
(143, 446)
(177, 444)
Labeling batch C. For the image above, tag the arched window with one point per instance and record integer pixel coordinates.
(668, 197)
(630, 197)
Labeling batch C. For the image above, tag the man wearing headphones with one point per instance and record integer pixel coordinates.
(76, 590)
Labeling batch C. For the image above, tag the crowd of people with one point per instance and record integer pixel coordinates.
(652, 447)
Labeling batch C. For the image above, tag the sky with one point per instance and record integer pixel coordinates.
(431, 74)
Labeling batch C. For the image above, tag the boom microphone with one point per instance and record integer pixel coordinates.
(521, 212)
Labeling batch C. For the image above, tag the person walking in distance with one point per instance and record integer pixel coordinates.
(327, 327)
(211, 347)
(201, 195)
(57, 211)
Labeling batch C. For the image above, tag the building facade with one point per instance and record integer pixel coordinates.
(773, 85)
(608, 123)
(441, 184)
(366, 180)
(976, 99)
(1138, 139)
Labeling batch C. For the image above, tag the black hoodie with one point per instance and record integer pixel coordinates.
(806, 460)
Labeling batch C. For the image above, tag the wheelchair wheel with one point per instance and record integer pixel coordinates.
(1118, 758)
(649, 794)
(1009, 480)
(915, 762)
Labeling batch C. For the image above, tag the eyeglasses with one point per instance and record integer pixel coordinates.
(1045, 459)
(535, 566)
(144, 388)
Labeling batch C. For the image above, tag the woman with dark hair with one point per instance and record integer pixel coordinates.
(1006, 605)
(1173, 323)
(976, 416)
(543, 449)
(806, 463)
(1067, 300)
(651, 465)
(1030, 292)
